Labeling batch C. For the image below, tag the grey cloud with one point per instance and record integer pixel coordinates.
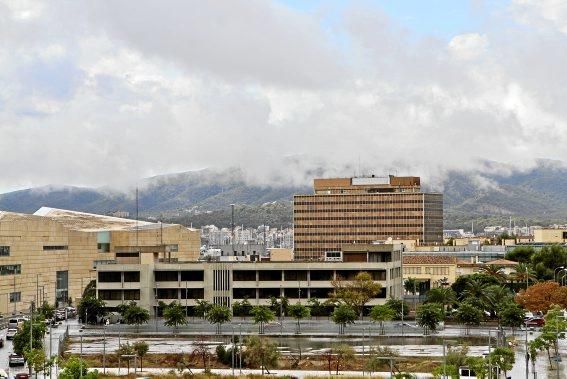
(260, 87)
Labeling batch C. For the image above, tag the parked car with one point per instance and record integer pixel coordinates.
(71, 312)
(3, 374)
(536, 321)
(16, 360)
(22, 375)
(11, 333)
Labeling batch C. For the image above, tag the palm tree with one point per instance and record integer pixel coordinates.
(474, 288)
(523, 273)
(495, 271)
(441, 295)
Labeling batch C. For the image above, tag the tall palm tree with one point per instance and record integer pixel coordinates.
(495, 271)
(474, 288)
(524, 272)
(443, 296)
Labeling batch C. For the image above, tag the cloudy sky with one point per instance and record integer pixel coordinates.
(104, 92)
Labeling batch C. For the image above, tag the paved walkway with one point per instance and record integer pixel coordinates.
(294, 373)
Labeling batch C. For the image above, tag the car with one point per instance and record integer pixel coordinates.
(22, 375)
(536, 321)
(16, 360)
(11, 333)
(3, 374)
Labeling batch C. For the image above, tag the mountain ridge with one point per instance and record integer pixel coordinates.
(491, 196)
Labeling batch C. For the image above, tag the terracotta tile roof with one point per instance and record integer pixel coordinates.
(502, 262)
(429, 259)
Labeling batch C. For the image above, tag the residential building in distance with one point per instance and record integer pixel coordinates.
(52, 255)
(550, 235)
(225, 282)
(364, 210)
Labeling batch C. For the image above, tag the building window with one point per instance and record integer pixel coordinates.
(62, 284)
(109, 277)
(55, 247)
(166, 276)
(103, 247)
(110, 295)
(132, 277)
(15, 297)
(4, 251)
(131, 294)
(10, 269)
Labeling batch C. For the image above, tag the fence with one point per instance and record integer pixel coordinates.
(63, 338)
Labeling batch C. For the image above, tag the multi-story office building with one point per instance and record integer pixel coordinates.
(364, 210)
(153, 281)
(52, 255)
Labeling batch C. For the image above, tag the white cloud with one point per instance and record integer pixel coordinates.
(106, 93)
(468, 46)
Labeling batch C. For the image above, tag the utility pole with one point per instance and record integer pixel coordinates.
(31, 331)
(527, 351)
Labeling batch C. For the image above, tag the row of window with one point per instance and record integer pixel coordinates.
(347, 218)
(327, 210)
(327, 226)
(361, 201)
(116, 276)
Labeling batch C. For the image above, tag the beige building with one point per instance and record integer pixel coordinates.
(52, 255)
(224, 283)
(430, 271)
(472, 266)
(362, 211)
(550, 236)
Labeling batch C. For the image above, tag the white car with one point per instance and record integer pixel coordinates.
(11, 333)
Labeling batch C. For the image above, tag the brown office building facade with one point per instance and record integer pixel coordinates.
(328, 219)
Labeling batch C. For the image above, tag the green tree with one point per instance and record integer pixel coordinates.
(279, 303)
(21, 342)
(342, 315)
(381, 313)
(497, 272)
(547, 259)
(357, 292)
(125, 349)
(218, 315)
(511, 315)
(317, 308)
(90, 309)
(450, 370)
(36, 359)
(397, 305)
(46, 310)
(242, 308)
(202, 308)
(468, 315)
(343, 353)
(141, 348)
(262, 315)
(410, 285)
(443, 296)
(478, 365)
(502, 358)
(136, 315)
(260, 352)
(174, 315)
(428, 316)
(76, 368)
(299, 311)
(522, 254)
(461, 284)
